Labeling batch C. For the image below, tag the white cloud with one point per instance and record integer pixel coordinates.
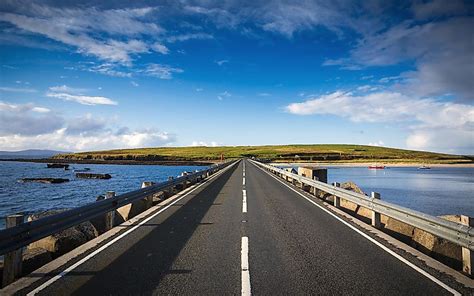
(199, 89)
(158, 47)
(16, 89)
(67, 93)
(378, 143)
(109, 69)
(205, 144)
(78, 28)
(134, 83)
(27, 126)
(440, 50)
(223, 95)
(27, 119)
(85, 125)
(107, 139)
(221, 62)
(67, 89)
(40, 110)
(81, 99)
(189, 36)
(161, 71)
(423, 117)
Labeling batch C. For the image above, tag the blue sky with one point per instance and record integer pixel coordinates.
(99, 75)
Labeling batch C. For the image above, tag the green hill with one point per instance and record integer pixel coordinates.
(283, 153)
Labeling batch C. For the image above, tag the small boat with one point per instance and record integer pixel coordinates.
(376, 167)
(424, 167)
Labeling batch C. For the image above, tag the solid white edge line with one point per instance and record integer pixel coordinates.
(245, 267)
(78, 263)
(418, 269)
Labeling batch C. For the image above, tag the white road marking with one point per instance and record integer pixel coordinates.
(243, 181)
(74, 266)
(244, 201)
(416, 268)
(245, 267)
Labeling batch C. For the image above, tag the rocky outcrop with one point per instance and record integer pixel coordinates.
(44, 180)
(399, 230)
(66, 240)
(439, 248)
(93, 176)
(358, 210)
(35, 258)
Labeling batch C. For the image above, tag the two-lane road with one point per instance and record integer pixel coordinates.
(243, 232)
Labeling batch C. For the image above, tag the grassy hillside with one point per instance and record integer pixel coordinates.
(284, 153)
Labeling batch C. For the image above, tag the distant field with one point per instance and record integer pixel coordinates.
(283, 153)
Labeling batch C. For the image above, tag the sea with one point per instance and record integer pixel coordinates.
(437, 191)
(31, 197)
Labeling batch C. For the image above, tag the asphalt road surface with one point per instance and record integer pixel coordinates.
(244, 232)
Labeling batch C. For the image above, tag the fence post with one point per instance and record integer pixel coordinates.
(13, 260)
(110, 216)
(376, 222)
(467, 255)
(337, 199)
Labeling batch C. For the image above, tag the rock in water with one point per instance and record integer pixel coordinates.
(57, 166)
(93, 176)
(64, 241)
(44, 180)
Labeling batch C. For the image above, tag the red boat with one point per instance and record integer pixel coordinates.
(376, 167)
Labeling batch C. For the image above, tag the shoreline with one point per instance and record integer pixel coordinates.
(366, 164)
(210, 162)
(117, 162)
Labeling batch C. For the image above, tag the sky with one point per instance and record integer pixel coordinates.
(93, 75)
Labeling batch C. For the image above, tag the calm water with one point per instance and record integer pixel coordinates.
(31, 197)
(437, 191)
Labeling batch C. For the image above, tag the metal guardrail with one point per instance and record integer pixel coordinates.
(459, 234)
(19, 236)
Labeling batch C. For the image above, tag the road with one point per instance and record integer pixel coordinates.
(244, 232)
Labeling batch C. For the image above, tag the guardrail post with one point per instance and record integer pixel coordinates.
(467, 255)
(337, 199)
(110, 216)
(149, 198)
(376, 222)
(170, 191)
(185, 183)
(13, 260)
(147, 184)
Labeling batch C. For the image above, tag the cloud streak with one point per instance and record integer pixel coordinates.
(73, 94)
(19, 90)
